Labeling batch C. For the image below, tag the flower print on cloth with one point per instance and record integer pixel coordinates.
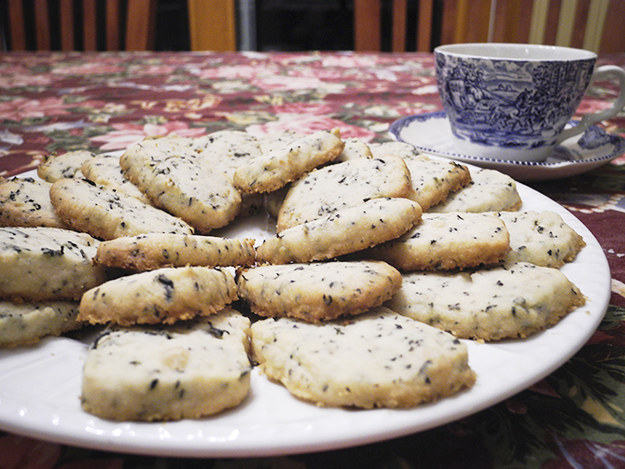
(125, 135)
(21, 108)
(291, 83)
(309, 124)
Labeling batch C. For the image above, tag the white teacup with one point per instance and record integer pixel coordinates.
(513, 101)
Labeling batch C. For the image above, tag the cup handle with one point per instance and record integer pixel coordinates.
(590, 119)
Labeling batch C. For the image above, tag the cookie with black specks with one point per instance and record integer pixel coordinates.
(541, 238)
(39, 264)
(319, 291)
(158, 296)
(26, 202)
(511, 301)
(106, 171)
(445, 241)
(155, 250)
(394, 148)
(65, 165)
(488, 191)
(325, 190)
(27, 323)
(226, 150)
(376, 359)
(177, 177)
(354, 148)
(106, 213)
(274, 169)
(433, 179)
(345, 231)
(189, 370)
(277, 140)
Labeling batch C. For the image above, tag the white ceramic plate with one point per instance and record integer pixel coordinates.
(40, 386)
(431, 134)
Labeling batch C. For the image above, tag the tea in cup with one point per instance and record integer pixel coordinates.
(513, 101)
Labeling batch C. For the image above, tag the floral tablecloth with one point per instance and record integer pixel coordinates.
(55, 102)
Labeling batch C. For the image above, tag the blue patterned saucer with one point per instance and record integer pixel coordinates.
(431, 134)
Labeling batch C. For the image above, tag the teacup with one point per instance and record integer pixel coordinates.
(513, 101)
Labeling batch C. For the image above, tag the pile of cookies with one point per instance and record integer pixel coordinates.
(381, 261)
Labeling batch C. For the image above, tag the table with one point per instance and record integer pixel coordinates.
(54, 102)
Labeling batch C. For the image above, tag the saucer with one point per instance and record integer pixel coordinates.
(431, 134)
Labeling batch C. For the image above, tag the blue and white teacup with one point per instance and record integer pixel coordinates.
(513, 101)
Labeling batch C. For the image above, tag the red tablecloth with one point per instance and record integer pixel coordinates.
(56, 102)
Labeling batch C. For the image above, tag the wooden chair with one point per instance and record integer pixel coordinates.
(575, 23)
(77, 25)
(212, 25)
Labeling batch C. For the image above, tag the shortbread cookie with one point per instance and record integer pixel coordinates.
(488, 191)
(154, 250)
(324, 191)
(393, 148)
(274, 169)
(277, 140)
(517, 300)
(175, 178)
(319, 291)
(433, 179)
(159, 296)
(108, 214)
(226, 150)
(106, 171)
(541, 238)
(65, 165)
(354, 148)
(345, 231)
(377, 359)
(445, 241)
(27, 323)
(26, 202)
(38, 264)
(189, 370)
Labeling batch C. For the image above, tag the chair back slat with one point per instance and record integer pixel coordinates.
(16, 18)
(367, 17)
(89, 25)
(113, 25)
(424, 25)
(538, 23)
(140, 34)
(400, 10)
(595, 24)
(512, 21)
(67, 25)
(465, 21)
(212, 25)
(566, 21)
(42, 25)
